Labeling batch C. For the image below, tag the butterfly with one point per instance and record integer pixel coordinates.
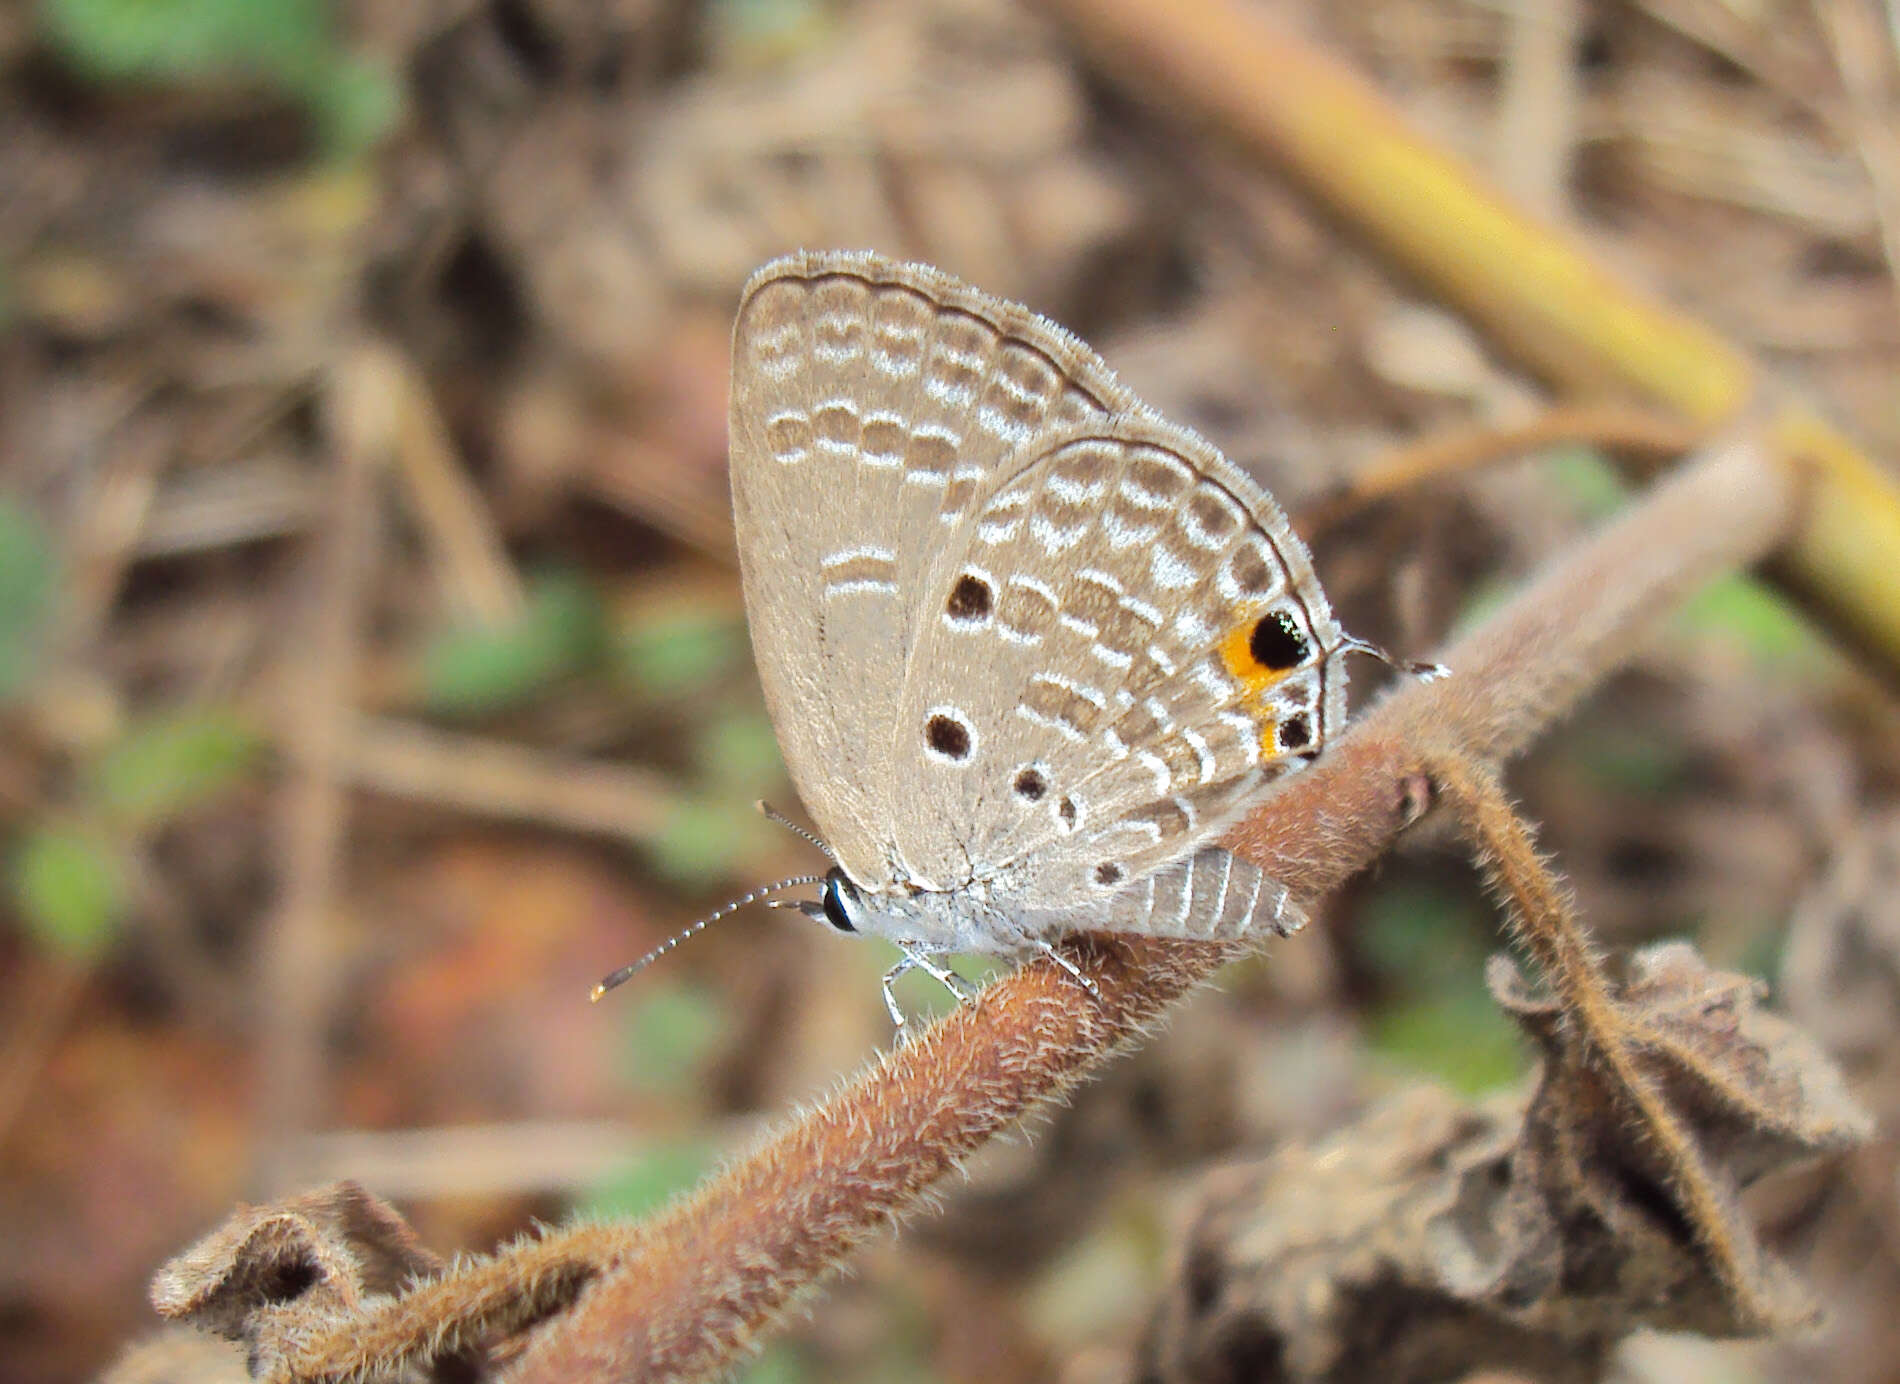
(1029, 648)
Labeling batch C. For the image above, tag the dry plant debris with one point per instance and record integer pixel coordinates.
(1432, 1237)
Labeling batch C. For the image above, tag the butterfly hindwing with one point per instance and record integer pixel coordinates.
(1120, 644)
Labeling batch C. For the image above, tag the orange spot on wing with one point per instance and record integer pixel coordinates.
(1236, 652)
(1236, 655)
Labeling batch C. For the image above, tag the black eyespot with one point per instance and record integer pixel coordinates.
(1066, 813)
(1030, 785)
(834, 903)
(1276, 642)
(1108, 873)
(1296, 733)
(970, 600)
(948, 736)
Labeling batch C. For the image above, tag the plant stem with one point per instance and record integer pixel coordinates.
(713, 1271)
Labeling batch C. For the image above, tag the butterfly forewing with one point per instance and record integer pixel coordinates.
(872, 403)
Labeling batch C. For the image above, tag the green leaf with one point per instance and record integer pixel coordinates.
(777, 1364)
(185, 39)
(485, 669)
(356, 103)
(167, 765)
(1421, 939)
(651, 1180)
(702, 839)
(290, 45)
(1485, 598)
(69, 889)
(1760, 622)
(1429, 947)
(672, 1033)
(28, 579)
(1459, 1037)
(678, 651)
(739, 755)
(1629, 759)
(1588, 479)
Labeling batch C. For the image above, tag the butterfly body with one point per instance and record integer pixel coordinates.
(1029, 647)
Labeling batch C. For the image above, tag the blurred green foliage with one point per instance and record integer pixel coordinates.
(289, 45)
(166, 765)
(1428, 948)
(778, 1364)
(1587, 479)
(483, 669)
(1773, 634)
(68, 879)
(739, 753)
(67, 885)
(28, 579)
(704, 835)
(672, 1034)
(66, 870)
(675, 652)
(1631, 757)
(651, 1180)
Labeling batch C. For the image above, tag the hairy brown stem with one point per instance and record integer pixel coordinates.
(1544, 919)
(718, 1267)
(1525, 666)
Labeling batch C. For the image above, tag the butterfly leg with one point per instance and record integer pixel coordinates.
(909, 963)
(1048, 950)
(918, 960)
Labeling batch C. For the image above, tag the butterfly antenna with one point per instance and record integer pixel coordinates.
(772, 814)
(627, 973)
(1423, 669)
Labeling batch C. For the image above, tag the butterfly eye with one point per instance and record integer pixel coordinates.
(834, 904)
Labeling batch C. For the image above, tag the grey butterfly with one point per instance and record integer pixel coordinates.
(1028, 647)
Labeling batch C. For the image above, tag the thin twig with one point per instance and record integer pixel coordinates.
(39, 1020)
(1536, 126)
(499, 778)
(479, 1160)
(1615, 427)
(1543, 918)
(477, 578)
(293, 970)
(1866, 66)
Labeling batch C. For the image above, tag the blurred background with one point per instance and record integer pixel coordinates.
(373, 675)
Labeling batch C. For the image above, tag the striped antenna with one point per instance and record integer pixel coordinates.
(772, 814)
(627, 973)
